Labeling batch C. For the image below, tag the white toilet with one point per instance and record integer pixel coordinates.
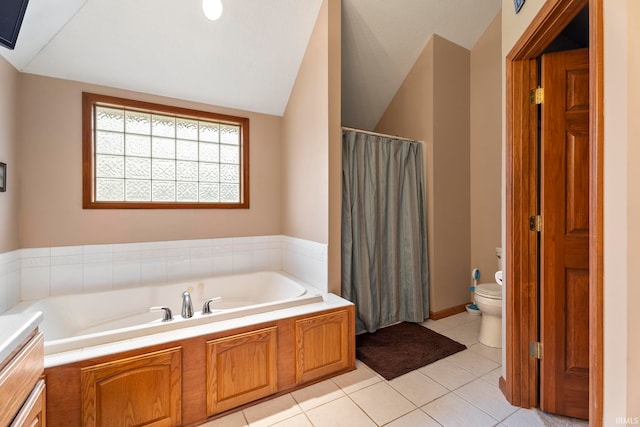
(488, 298)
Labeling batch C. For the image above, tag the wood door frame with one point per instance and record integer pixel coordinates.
(520, 386)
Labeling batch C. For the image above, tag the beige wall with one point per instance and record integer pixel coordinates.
(51, 211)
(432, 105)
(305, 142)
(486, 143)
(9, 136)
(335, 146)
(451, 172)
(312, 141)
(513, 25)
(616, 138)
(621, 197)
(410, 114)
(633, 213)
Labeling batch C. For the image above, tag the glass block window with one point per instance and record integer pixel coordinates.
(142, 155)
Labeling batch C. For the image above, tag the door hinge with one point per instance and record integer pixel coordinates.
(536, 96)
(535, 223)
(535, 350)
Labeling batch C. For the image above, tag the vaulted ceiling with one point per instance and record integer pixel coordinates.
(381, 40)
(249, 58)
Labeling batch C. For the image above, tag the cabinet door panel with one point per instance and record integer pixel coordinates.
(241, 368)
(322, 345)
(137, 391)
(32, 413)
(19, 376)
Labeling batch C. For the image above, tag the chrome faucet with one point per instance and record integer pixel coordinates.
(166, 313)
(187, 305)
(206, 308)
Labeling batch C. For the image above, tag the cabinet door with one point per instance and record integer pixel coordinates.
(32, 413)
(19, 376)
(141, 390)
(241, 368)
(322, 345)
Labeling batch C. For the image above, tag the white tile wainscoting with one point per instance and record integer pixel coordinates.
(9, 279)
(35, 273)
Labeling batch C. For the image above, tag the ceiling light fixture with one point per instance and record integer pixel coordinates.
(212, 9)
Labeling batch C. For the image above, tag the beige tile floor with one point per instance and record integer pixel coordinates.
(460, 390)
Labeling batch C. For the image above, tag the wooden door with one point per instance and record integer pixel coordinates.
(564, 256)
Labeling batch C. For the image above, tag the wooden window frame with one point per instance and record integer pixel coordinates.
(89, 100)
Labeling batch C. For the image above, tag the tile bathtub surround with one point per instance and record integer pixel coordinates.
(460, 391)
(43, 272)
(307, 260)
(9, 279)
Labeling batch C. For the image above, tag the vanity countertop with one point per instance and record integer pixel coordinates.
(14, 328)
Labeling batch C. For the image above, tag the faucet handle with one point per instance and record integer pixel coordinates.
(206, 307)
(166, 316)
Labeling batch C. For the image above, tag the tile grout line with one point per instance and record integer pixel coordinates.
(429, 415)
(366, 413)
(480, 409)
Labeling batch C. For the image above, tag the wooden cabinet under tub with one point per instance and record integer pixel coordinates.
(241, 368)
(322, 345)
(190, 380)
(143, 390)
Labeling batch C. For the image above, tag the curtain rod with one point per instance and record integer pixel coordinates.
(380, 134)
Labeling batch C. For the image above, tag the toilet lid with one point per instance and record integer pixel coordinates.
(489, 290)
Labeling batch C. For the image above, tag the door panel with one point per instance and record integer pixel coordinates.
(577, 183)
(564, 251)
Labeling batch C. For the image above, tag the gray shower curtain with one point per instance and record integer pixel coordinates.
(384, 234)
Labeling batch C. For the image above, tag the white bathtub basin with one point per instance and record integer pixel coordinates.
(76, 321)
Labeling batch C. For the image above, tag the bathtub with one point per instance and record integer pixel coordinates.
(75, 322)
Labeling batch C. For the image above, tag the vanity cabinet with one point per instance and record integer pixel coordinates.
(241, 368)
(143, 390)
(20, 384)
(321, 345)
(32, 413)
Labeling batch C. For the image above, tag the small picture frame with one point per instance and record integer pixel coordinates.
(3, 177)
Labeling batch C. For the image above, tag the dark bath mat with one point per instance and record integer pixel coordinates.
(401, 348)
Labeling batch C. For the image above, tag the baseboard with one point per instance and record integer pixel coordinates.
(436, 315)
(502, 385)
